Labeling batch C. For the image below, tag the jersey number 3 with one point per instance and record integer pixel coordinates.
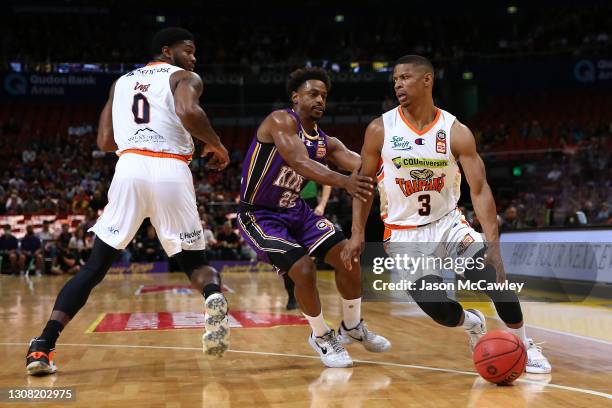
(140, 108)
(425, 207)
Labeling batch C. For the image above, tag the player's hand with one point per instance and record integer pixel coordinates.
(351, 252)
(493, 258)
(219, 158)
(319, 209)
(359, 187)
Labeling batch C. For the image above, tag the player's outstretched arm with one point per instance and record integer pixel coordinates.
(106, 137)
(370, 157)
(463, 147)
(338, 154)
(281, 127)
(189, 88)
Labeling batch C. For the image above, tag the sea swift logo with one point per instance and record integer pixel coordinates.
(112, 230)
(398, 143)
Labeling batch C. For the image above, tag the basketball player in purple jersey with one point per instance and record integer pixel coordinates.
(287, 150)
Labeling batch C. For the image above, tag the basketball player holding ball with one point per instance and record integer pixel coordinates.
(414, 151)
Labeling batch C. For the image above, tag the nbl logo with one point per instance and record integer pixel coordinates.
(324, 224)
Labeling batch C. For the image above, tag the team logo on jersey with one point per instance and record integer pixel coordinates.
(289, 179)
(321, 150)
(464, 244)
(422, 180)
(324, 224)
(420, 141)
(441, 141)
(400, 162)
(423, 174)
(398, 143)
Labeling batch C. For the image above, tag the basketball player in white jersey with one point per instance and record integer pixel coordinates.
(414, 151)
(149, 120)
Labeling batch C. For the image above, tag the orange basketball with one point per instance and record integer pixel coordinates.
(500, 357)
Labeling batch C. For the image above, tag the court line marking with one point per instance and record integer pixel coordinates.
(578, 336)
(383, 363)
(417, 312)
(95, 323)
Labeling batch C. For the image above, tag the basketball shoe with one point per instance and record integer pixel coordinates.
(478, 330)
(39, 360)
(536, 362)
(360, 333)
(216, 322)
(332, 353)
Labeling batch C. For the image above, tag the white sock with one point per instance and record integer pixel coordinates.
(470, 320)
(318, 325)
(520, 333)
(351, 311)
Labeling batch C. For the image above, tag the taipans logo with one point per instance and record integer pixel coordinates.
(423, 180)
(422, 174)
(324, 224)
(420, 141)
(398, 143)
(400, 162)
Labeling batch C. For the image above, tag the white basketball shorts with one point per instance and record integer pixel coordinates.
(154, 187)
(449, 241)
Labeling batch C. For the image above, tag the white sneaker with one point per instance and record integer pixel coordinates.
(536, 362)
(331, 351)
(216, 337)
(371, 341)
(478, 330)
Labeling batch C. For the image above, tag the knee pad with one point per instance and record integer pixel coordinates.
(191, 260)
(436, 304)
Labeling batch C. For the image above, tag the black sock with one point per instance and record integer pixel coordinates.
(210, 289)
(51, 332)
(289, 286)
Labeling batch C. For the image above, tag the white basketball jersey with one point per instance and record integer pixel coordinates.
(419, 180)
(143, 112)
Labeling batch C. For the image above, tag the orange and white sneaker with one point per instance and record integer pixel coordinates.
(39, 360)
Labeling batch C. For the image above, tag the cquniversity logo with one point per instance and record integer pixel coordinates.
(398, 143)
(16, 84)
(584, 71)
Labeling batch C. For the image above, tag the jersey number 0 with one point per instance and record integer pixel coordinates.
(140, 108)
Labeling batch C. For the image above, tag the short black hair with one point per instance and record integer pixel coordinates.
(167, 37)
(415, 60)
(299, 76)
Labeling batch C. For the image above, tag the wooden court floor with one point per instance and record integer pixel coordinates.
(122, 351)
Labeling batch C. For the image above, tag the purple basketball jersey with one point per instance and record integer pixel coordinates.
(267, 180)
